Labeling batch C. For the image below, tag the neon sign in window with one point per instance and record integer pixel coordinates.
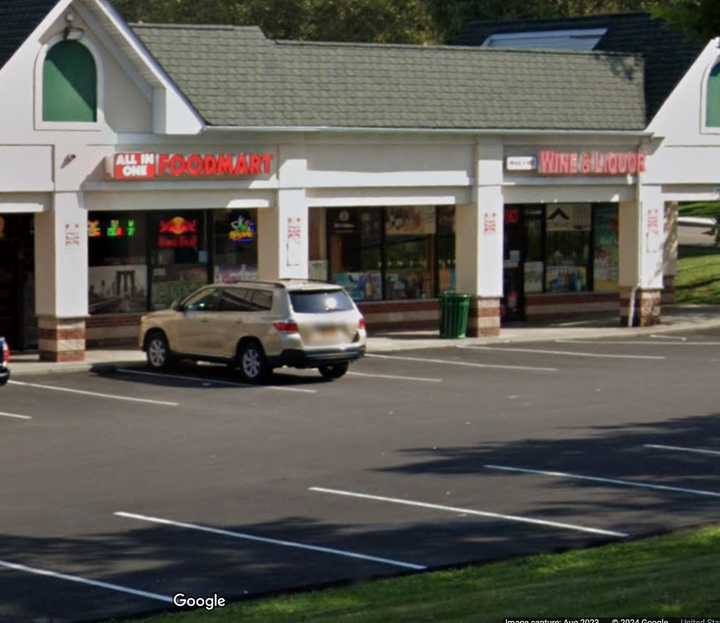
(243, 230)
(178, 233)
(115, 229)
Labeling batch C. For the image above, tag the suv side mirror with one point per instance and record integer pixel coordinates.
(176, 306)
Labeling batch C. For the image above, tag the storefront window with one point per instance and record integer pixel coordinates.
(355, 251)
(534, 266)
(318, 267)
(568, 228)
(606, 260)
(410, 254)
(179, 256)
(446, 248)
(235, 239)
(117, 276)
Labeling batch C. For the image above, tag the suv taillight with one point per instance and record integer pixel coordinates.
(362, 324)
(6, 354)
(287, 327)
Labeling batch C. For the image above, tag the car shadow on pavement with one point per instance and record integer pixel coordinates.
(604, 451)
(204, 374)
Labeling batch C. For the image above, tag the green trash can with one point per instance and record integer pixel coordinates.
(454, 314)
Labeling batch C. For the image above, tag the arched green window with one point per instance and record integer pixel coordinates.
(713, 98)
(69, 84)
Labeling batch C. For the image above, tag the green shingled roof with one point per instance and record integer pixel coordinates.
(667, 51)
(234, 76)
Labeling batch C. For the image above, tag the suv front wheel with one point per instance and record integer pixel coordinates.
(252, 362)
(334, 371)
(158, 351)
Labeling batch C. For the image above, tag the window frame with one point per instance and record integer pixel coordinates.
(704, 127)
(82, 126)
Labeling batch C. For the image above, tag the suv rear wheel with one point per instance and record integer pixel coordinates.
(334, 371)
(157, 349)
(252, 362)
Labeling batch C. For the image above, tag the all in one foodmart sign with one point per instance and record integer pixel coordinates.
(140, 166)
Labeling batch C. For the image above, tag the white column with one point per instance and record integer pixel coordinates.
(642, 250)
(61, 278)
(479, 241)
(670, 267)
(283, 249)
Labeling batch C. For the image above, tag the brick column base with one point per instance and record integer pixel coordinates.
(484, 318)
(648, 303)
(61, 339)
(668, 294)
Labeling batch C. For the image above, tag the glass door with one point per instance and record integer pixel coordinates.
(513, 302)
(17, 304)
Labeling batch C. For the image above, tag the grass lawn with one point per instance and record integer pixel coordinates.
(671, 575)
(698, 278)
(700, 209)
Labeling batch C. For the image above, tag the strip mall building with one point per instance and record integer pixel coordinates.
(139, 162)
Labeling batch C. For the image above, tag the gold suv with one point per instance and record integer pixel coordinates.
(258, 326)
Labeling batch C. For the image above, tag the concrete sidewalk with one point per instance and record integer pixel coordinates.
(677, 318)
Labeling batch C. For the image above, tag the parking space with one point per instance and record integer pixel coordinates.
(129, 486)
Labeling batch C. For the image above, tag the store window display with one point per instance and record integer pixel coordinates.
(355, 251)
(606, 250)
(117, 277)
(410, 253)
(391, 253)
(179, 255)
(568, 234)
(235, 239)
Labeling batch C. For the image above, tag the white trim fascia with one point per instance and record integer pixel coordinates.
(368, 130)
(119, 57)
(704, 127)
(191, 123)
(254, 186)
(652, 125)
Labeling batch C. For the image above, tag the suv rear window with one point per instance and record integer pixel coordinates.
(320, 302)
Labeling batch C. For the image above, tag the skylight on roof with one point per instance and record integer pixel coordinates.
(579, 40)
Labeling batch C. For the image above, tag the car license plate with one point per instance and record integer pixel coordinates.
(327, 334)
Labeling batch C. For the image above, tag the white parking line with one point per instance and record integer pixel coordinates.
(612, 481)
(258, 539)
(96, 394)
(658, 446)
(15, 416)
(214, 381)
(392, 377)
(469, 511)
(669, 337)
(560, 352)
(465, 363)
(635, 343)
(78, 580)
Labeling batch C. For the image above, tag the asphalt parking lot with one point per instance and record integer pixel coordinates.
(124, 488)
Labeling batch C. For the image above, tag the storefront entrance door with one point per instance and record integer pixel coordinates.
(513, 303)
(17, 287)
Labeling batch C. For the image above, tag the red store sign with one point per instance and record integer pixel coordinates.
(149, 166)
(590, 163)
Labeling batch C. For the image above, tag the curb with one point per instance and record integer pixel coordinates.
(68, 368)
(398, 344)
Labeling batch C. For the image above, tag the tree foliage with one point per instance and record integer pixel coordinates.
(380, 21)
(402, 21)
(452, 16)
(697, 17)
